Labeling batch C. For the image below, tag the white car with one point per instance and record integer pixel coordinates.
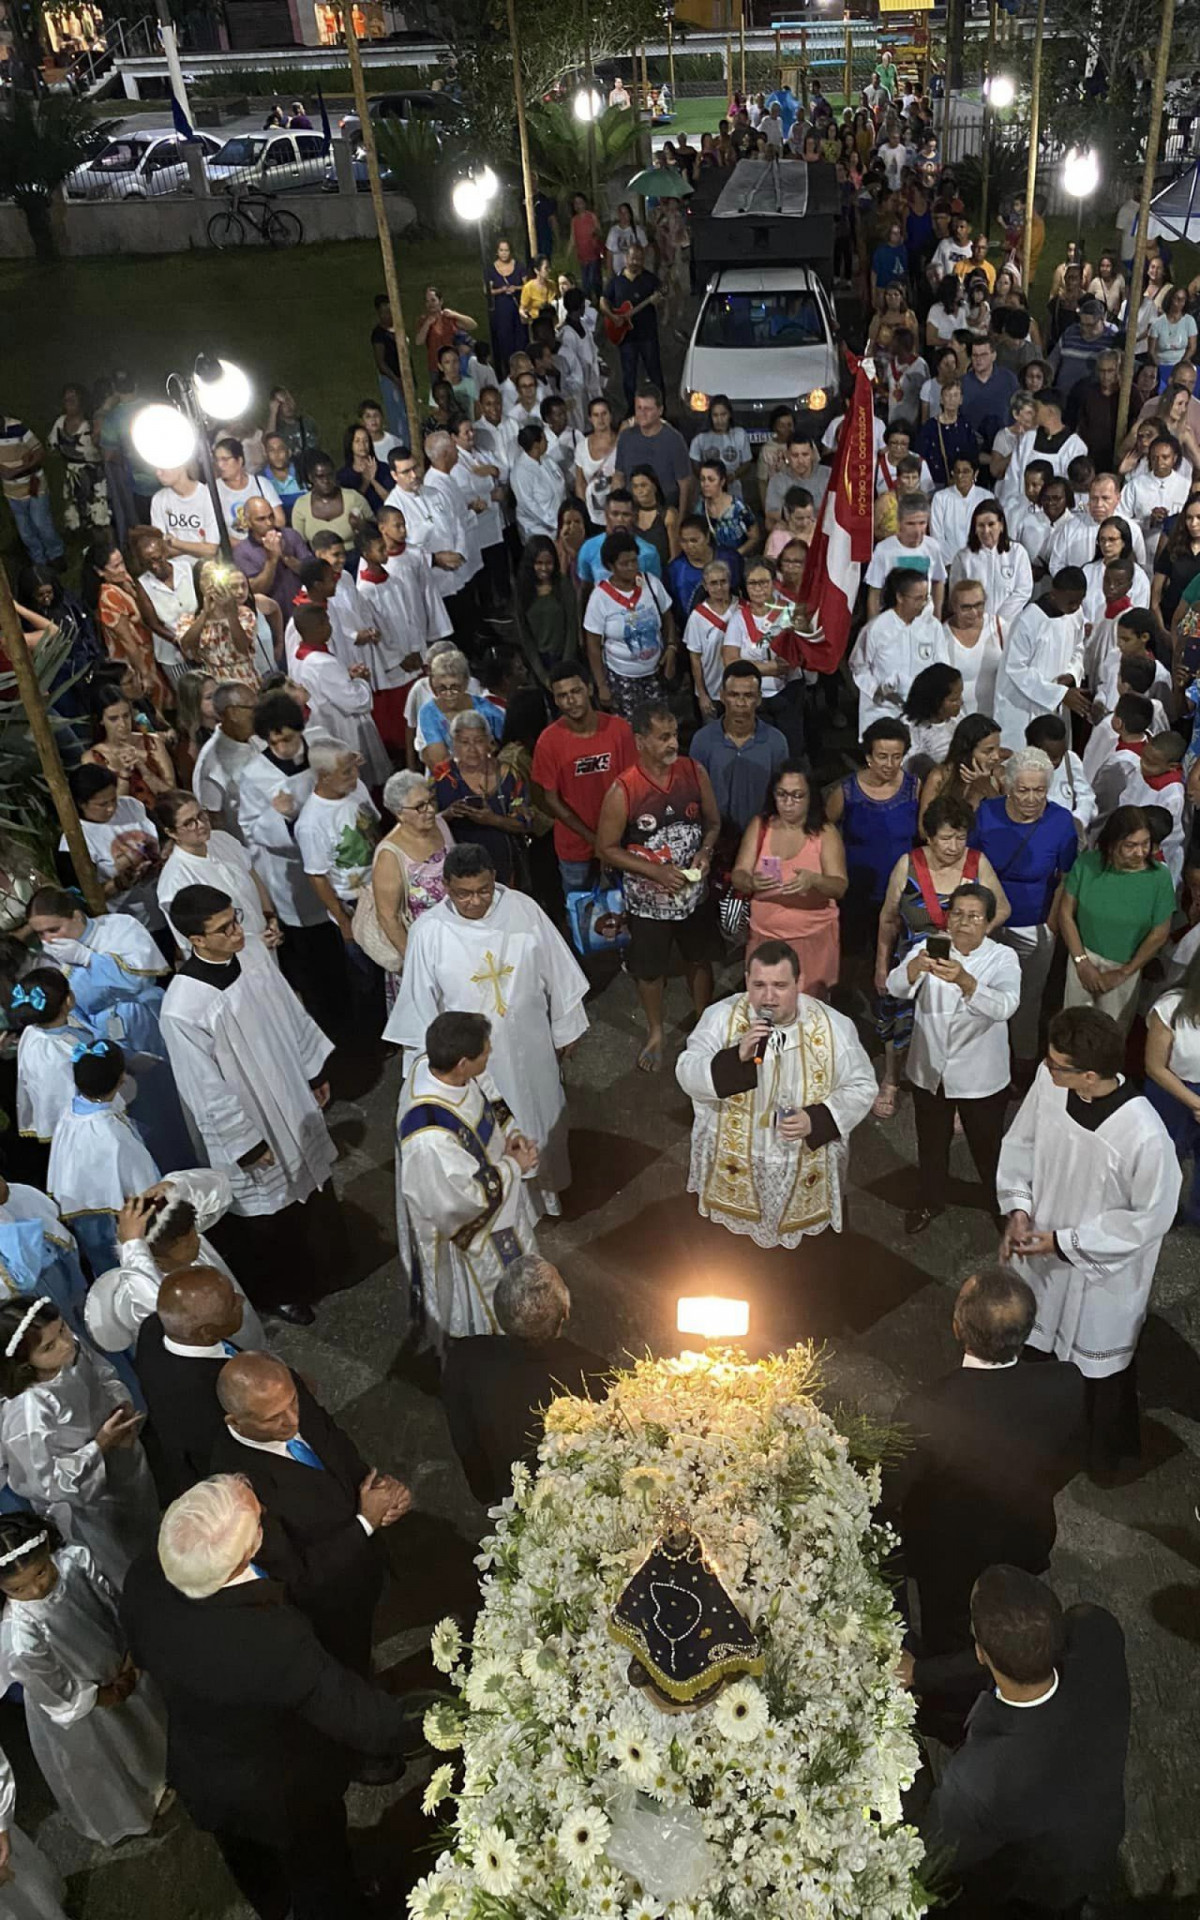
(766, 337)
(273, 162)
(136, 165)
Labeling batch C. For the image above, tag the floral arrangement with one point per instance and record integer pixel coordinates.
(575, 1795)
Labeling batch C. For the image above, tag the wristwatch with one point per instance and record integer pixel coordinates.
(1079, 958)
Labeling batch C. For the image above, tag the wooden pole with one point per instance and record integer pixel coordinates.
(742, 45)
(590, 83)
(985, 168)
(804, 70)
(671, 61)
(391, 278)
(1035, 105)
(522, 129)
(17, 648)
(648, 122)
(848, 74)
(729, 65)
(778, 59)
(1153, 135)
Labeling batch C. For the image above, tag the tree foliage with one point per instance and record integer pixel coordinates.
(559, 145)
(42, 141)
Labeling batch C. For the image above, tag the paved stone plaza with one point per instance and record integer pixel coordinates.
(631, 1240)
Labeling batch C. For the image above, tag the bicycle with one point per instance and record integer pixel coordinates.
(251, 206)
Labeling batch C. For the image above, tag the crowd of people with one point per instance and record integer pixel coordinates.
(480, 707)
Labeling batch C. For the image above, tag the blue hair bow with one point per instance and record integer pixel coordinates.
(95, 1048)
(35, 998)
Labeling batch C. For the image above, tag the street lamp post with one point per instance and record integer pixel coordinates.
(1035, 105)
(998, 93)
(587, 106)
(171, 436)
(1080, 178)
(471, 198)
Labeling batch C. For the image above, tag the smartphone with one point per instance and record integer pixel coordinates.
(938, 946)
(771, 867)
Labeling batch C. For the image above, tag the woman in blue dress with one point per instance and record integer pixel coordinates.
(506, 276)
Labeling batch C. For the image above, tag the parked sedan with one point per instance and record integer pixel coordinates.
(136, 166)
(273, 162)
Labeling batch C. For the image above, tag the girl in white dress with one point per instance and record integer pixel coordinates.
(40, 1009)
(96, 1725)
(68, 1437)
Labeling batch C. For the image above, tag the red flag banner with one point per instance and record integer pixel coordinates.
(842, 546)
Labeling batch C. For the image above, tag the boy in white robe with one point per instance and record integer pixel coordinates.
(396, 583)
(462, 1203)
(339, 698)
(97, 1156)
(778, 1082)
(1089, 1181)
(1041, 667)
(251, 1070)
(488, 949)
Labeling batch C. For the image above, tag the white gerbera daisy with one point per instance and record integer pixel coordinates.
(445, 1643)
(637, 1757)
(539, 1664)
(643, 1483)
(488, 1684)
(440, 1782)
(429, 1899)
(582, 1836)
(496, 1862)
(443, 1726)
(741, 1713)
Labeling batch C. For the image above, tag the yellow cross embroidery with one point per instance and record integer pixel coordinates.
(492, 975)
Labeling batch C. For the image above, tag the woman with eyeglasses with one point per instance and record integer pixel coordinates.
(973, 640)
(202, 856)
(406, 875)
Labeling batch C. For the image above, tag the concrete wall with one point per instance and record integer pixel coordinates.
(92, 228)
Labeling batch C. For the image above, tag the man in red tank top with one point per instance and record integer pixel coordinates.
(658, 826)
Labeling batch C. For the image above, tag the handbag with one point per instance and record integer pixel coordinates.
(596, 919)
(734, 908)
(369, 935)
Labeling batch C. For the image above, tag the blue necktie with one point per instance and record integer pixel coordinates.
(230, 1351)
(300, 1450)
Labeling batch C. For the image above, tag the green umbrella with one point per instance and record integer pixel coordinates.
(661, 183)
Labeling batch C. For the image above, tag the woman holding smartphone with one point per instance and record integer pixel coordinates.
(792, 867)
(914, 908)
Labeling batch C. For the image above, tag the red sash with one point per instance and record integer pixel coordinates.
(1131, 746)
(376, 575)
(1173, 777)
(785, 645)
(626, 600)
(924, 880)
(1113, 607)
(714, 619)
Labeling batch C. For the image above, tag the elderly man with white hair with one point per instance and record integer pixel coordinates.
(495, 1392)
(336, 831)
(225, 755)
(436, 516)
(262, 1721)
(1032, 843)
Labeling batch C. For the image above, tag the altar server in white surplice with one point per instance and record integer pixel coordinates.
(33, 1889)
(97, 1727)
(68, 1438)
(1042, 660)
(1089, 1181)
(463, 1209)
(97, 1156)
(41, 1008)
(487, 949)
(778, 1082)
(251, 1070)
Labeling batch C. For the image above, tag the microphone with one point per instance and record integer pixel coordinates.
(764, 1039)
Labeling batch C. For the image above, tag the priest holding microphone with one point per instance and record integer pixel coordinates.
(778, 1081)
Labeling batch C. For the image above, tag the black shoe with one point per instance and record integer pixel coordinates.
(917, 1219)
(293, 1311)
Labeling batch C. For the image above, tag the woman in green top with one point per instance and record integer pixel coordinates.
(1117, 903)
(547, 610)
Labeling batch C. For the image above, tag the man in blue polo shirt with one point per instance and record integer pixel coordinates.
(986, 392)
(618, 518)
(739, 752)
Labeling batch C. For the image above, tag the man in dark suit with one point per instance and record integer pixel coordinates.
(324, 1505)
(992, 1444)
(496, 1391)
(261, 1721)
(1031, 1809)
(179, 1355)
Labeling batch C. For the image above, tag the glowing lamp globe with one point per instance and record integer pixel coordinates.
(712, 1317)
(162, 436)
(587, 104)
(222, 389)
(1001, 92)
(473, 196)
(1081, 172)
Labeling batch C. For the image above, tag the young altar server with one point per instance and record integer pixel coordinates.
(69, 1438)
(251, 1070)
(113, 966)
(159, 1233)
(778, 1081)
(396, 582)
(462, 1204)
(491, 950)
(97, 1156)
(339, 697)
(31, 1888)
(97, 1726)
(1089, 1181)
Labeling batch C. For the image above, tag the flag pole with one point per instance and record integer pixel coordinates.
(1134, 299)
